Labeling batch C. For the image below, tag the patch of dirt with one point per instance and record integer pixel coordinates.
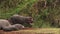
(34, 31)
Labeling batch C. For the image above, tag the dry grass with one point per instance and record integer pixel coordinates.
(34, 31)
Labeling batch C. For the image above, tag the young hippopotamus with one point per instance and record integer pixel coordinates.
(18, 19)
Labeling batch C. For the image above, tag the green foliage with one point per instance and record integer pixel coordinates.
(15, 9)
(43, 16)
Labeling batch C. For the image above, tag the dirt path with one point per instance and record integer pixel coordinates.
(34, 31)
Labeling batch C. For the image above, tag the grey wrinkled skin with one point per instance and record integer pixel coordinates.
(13, 27)
(19, 26)
(4, 23)
(18, 19)
(9, 28)
(6, 26)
